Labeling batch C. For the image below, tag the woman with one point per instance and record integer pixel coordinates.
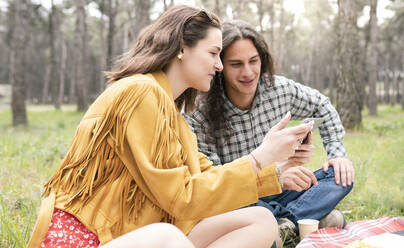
(134, 160)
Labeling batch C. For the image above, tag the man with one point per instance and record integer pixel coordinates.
(245, 101)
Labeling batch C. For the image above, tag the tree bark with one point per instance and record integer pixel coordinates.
(272, 19)
(46, 81)
(52, 56)
(166, 6)
(394, 97)
(62, 72)
(217, 9)
(103, 59)
(18, 44)
(349, 88)
(112, 11)
(142, 16)
(80, 50)
(386, 86)
(372, 59)
(402, 82)
(72, 88)
(280, 41)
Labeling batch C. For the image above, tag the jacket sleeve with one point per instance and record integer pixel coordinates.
(309, 102)
(266, 180)
(183, 191)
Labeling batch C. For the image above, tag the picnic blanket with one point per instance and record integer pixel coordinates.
(335, 237)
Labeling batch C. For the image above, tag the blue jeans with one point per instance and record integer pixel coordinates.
(313, 203)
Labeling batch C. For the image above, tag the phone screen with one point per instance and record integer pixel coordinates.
(317, 122)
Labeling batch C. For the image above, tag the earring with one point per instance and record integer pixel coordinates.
(179, 56)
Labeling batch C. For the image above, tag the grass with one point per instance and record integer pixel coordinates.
(377, 154)
(29, 156)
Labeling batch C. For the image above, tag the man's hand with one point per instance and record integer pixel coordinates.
(297, 178)
(343, 170)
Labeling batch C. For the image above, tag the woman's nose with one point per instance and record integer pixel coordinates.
(219, 65)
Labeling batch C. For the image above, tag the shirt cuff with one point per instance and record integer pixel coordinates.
(335, 149)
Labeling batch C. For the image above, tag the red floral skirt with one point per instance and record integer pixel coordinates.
(65, 231)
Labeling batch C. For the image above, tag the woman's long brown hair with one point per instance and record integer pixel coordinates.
(161, 41)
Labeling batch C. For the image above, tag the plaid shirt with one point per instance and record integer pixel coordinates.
(270, 104)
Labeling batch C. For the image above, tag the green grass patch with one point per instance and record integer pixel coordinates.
(377, 154)
(30, 155)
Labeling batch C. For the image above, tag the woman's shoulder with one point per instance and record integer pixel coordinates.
(130, 91)
(136, 85)
(134, 81)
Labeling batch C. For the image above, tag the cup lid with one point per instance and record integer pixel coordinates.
(307, 221)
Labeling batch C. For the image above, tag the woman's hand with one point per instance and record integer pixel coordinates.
(304, 154)
(281, 143)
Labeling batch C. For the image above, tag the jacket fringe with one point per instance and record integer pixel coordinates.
(91, 163)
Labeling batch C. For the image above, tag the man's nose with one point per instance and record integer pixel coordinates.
(247, 71)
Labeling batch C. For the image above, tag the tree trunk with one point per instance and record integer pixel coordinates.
(402, 82)
(62, 72)
(166, 6)
(334, 78)
(46, 81)
(372, 59)
(317, 82)
(394, 94)
(306, 72)
(103, 59)
(348, 95)
(112, 10)
(142, 16)
(80, 50)
(272, 18)
(217, 9)
(332, 87)
(386, 85)
(125, 38)
(18, 44)
(72, 87)
(52, 56)
(280, 41)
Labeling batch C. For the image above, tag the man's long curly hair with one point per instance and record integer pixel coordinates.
(212, 103)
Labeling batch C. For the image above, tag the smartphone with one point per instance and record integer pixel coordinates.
(317, 122)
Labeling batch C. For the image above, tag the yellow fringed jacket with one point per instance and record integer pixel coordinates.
(134, 161)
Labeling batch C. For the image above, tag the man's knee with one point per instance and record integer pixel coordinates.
(321, 174)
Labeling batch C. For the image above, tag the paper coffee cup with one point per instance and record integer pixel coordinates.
(307, 226)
